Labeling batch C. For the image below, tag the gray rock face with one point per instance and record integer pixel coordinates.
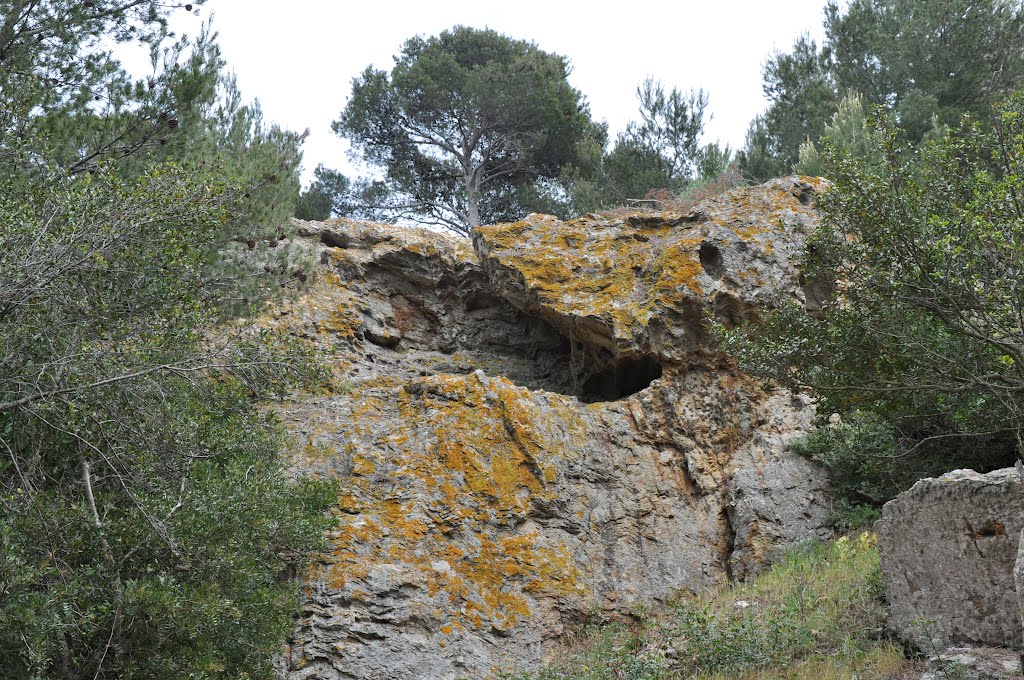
(1018, 577)
(948, 549)
(501, 477)
(399, 301)
(973, 663)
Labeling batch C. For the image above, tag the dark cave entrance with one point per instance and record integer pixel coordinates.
(620, 380)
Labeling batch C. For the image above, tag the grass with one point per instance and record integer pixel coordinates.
(816, 616)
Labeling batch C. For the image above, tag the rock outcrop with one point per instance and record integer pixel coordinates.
(534, 427)
(634, 292)
(948, 549)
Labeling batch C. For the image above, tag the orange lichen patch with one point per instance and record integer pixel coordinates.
(425, 249)
(349, 503)
(378, 382)
(350, 548)
(749, 232)
(315, 453)
(678, 268)
(330, 278)
(587, 266)
(362, 466)
(618, 272)
(326, 316)
(342, 322)
(466, 457)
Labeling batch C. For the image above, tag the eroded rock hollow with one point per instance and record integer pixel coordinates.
(534, 425)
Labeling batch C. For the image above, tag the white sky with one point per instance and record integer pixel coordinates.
(298, 57)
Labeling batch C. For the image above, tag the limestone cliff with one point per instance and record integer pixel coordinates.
(534, 426)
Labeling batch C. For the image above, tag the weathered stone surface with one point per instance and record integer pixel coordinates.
(1018, 580)
(638, 286)
(411, 302)
(486, 506)
(973, 663)
(948, 548)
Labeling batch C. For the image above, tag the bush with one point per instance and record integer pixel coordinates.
(920, 350)
(147, 529)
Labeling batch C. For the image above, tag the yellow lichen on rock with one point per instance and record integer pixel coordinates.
(466, 457)
(480, 517)
(614, 276)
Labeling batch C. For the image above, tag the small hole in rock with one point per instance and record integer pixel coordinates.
(711, 260)
(334, 240)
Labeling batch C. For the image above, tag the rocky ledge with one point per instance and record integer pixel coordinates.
(535, 426)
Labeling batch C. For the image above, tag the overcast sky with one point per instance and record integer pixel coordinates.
(298, 57)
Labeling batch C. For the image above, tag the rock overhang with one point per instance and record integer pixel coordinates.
(643, 286)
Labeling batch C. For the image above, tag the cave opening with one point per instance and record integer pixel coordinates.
(461, 324)
(620, 380)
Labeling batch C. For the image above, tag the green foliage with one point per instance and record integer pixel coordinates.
(898, 55)
(628, 172)
(712, 162)
(186, 576)
(330, 195)
(264, 160)
(56, 72)
(661, 152)
(848, 134)
(802, 93)
(147, 528)
(817, 614)
(462, 126)
(65, 103)
(146, 521)
(919, 350)
(867, 461)
(663, 149)
(608, 652)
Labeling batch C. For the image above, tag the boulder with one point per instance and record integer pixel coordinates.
(948, 548)
(1018, 579)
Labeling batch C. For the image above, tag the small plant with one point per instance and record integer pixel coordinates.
(931, 644)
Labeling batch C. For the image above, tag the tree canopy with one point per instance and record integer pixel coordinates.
(927, 63)
(465, 127)
(660, 151)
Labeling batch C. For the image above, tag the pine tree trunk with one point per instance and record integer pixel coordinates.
(472, 203)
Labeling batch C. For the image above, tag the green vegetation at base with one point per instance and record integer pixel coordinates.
(818, 614)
